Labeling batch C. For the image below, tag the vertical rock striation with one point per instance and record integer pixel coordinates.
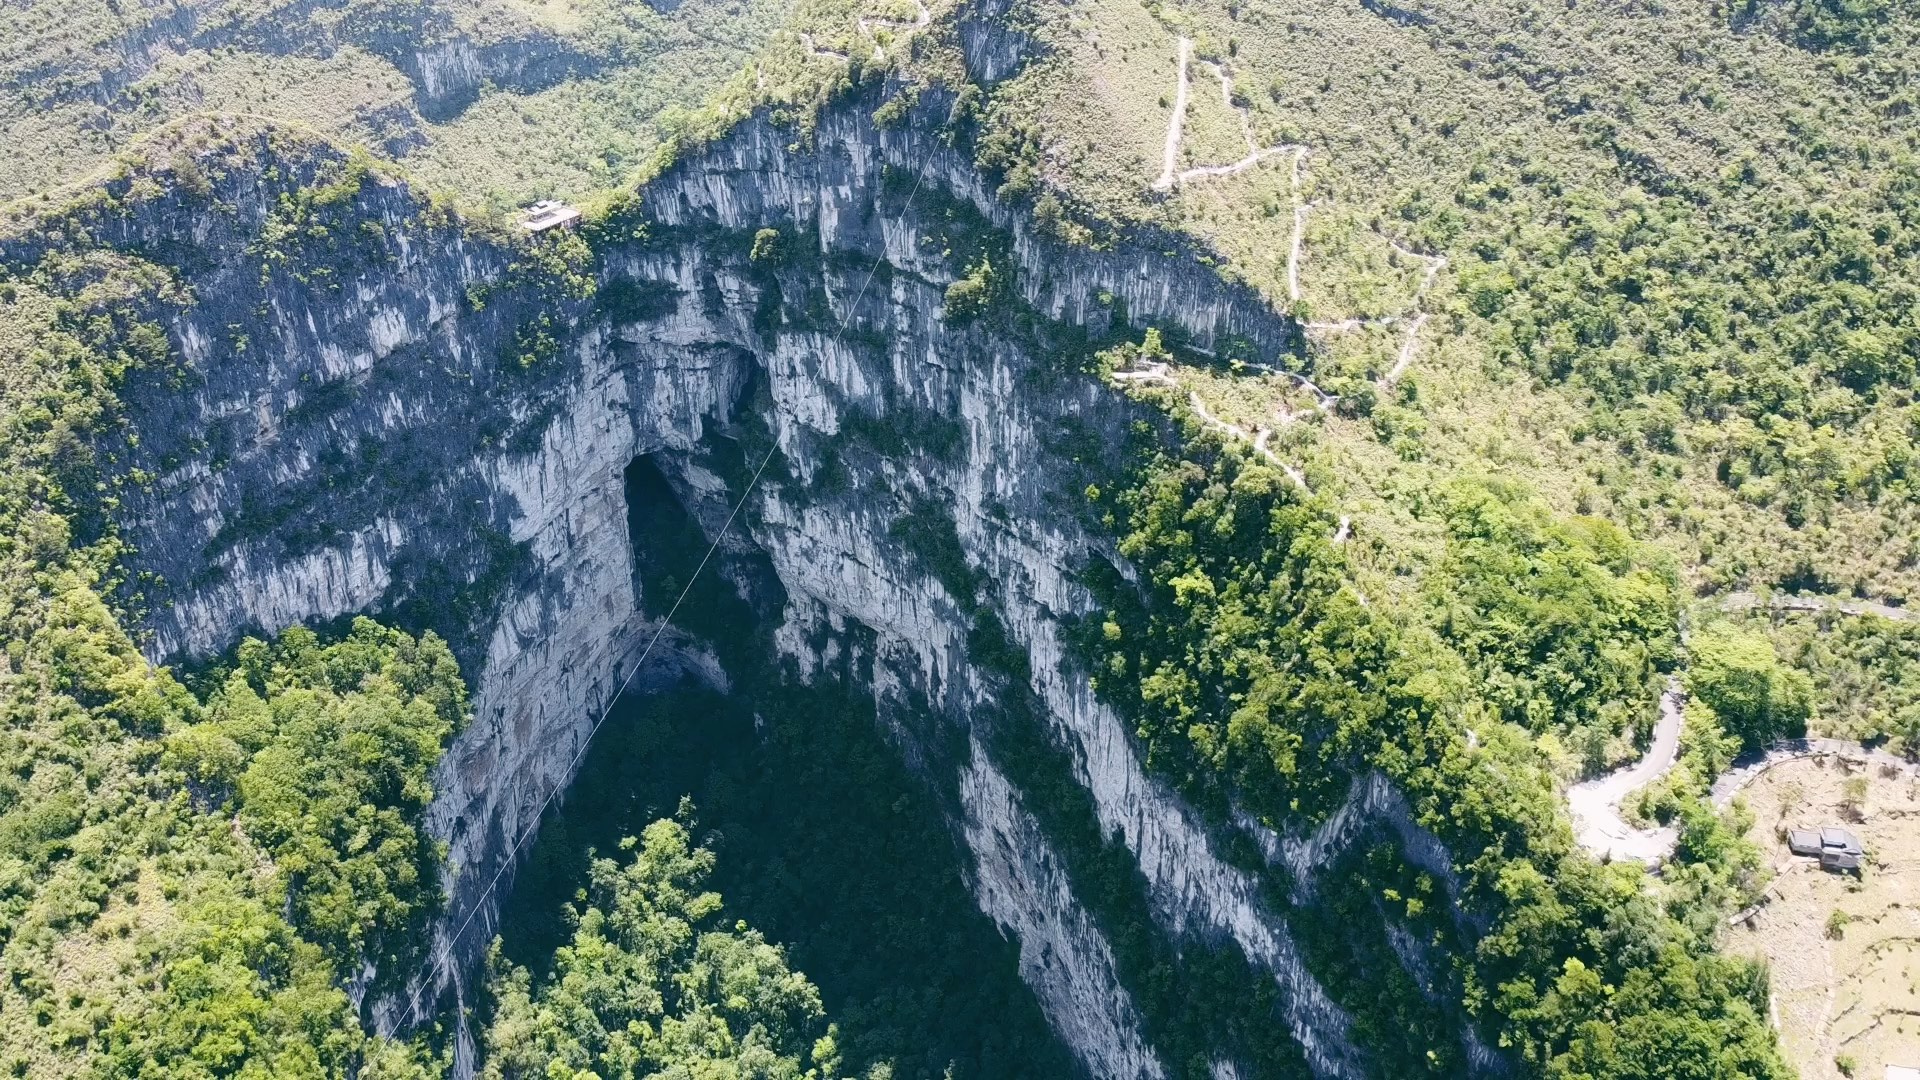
(368, 447)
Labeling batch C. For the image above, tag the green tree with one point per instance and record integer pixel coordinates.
(766, 246)
(1243, 614)
(1565, 620)
(1735, 672)
(654, 983)
(973, 294)
(325, 754)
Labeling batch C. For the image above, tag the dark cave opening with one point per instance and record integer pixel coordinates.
(667, 542)
(827, 840)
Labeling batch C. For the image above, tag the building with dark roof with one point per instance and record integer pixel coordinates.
(1836, 848)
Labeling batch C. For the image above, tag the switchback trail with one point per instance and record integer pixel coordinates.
(1595, 804)
(921, 20)
(1746, 601)
(1170, 172)
(1161, 374)
(1172, 176)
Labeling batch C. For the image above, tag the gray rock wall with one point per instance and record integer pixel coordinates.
(366, 435)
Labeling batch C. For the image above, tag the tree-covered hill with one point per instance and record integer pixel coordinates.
(1678, 241)
(1609, 313)
(496, 102)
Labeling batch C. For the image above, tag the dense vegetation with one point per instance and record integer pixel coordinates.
(1245, 615)
(1562, 621)
(1678, 326)
(190, 885)
(827, 843)
(651, 984)
(1754, 697)
(1680, 250)
(1864, 672)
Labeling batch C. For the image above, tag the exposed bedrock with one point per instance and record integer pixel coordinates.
(376, 445)
(447, 64)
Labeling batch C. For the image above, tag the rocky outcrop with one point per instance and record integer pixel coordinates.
(1372, 802)
(1020, 885)
(429, 429)
(449, 76)
(994, 48)
(447, 63)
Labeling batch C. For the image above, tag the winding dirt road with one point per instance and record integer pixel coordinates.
(1596, 803)
(1170, 172)
(922, 18)
(1258, 439)
(1170, 159)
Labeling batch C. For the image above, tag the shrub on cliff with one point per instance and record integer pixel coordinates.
(971, 295)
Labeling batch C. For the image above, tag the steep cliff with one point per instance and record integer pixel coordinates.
(443, 49)
(384, 410)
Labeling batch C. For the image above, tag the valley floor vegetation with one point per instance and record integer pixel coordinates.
(1672, 353)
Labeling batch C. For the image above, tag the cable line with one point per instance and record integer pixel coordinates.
(439, 967)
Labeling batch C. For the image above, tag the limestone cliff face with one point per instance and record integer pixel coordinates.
(364, 441)
(448, 76)
(446, 62)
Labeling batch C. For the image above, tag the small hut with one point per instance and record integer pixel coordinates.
(547, 215)
(1836, 848)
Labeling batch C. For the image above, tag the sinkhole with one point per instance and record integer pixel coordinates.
(827, 840)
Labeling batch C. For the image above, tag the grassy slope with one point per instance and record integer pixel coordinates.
(1681, 259)
(1473, 131)
(82, 80)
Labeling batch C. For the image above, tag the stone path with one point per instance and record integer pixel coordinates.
(1435, 264)
(1751, 768)
(921, 19)
(1171, 174)
(1162, 374)
(1407, 347)
(1746, 601)
(1170, 156)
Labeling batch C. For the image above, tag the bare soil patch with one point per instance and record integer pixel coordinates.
(1845, 952)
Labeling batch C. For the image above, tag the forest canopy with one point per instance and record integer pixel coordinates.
(1243, 612)
(655, 983)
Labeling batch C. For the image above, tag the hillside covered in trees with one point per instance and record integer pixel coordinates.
(1601, 342)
